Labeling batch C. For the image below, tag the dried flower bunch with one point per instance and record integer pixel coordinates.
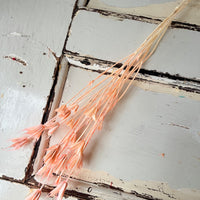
(85, 112)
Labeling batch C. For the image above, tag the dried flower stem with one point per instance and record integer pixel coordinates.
(84, 113)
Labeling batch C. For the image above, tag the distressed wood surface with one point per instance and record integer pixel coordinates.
(26, 77)
(150, 141)
(155, 9)
(82, 3)
(110, 39)
(58, 92)
(10, 191)
(46, 24)
(187, 85)
(149, 146)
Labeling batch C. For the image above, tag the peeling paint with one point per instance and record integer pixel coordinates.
(181, 126)
(159, 190)
(16, 58)
(152, 10)
(163, 155)
(16, 34)
(152, 83)
(141, 188)
(53, 53)
(111, 180)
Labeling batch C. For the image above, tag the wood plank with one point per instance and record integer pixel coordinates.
(149, 144)
(27, 29)
(144, 75)
(150, 8)
(111, 39)
(42, 22)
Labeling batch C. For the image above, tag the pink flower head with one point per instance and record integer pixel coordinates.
(34, 132)
(53, 153)
(75, 160)
(59, 190)
(63, 112)
(52, 130)
(74, 107)
(51, 125)
(58, 180)
(45, 172)
(61, 163)
(91, 113)
(19, 142)
(34, 195)
(78, 146)
(72, 123)
(30, 134)
(69, 139)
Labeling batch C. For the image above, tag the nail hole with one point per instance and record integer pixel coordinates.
(118, 65)
(85, 62)
(44, 54)
(23, 85)
(89, 189)
(21, 72)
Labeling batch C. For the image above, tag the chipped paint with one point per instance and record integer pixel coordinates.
(113, 171)
(98, 31)
(16, 58)
(163, 155)
(153, 10)
(53, 53)
(159, 190)
(181, 126)
(16, 34)
(157, 84)
(37, 42)
(157, 87)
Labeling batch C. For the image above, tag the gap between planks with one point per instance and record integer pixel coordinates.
(59, 79)
(151, 76)
(122, 16)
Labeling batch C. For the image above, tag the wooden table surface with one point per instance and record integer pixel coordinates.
(149, 147)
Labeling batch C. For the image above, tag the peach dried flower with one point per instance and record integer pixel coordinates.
(84, 113)
(35, 195)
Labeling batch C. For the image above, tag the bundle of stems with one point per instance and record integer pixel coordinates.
(85, 112)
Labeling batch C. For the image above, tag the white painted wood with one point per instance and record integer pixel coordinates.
(110, 39)
(90, 190)
(150, 8)
(129, 3)
(43, 22)
(100, 66)
(11, 191)
(81, 3)
(58, 92)
(82, 187)
(23, 97)
(27, 28)
(143, 126)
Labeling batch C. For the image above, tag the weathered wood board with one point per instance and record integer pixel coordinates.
(150, 140)
(155, 9)
(112, 39)
(26, 70)
(149, 146)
